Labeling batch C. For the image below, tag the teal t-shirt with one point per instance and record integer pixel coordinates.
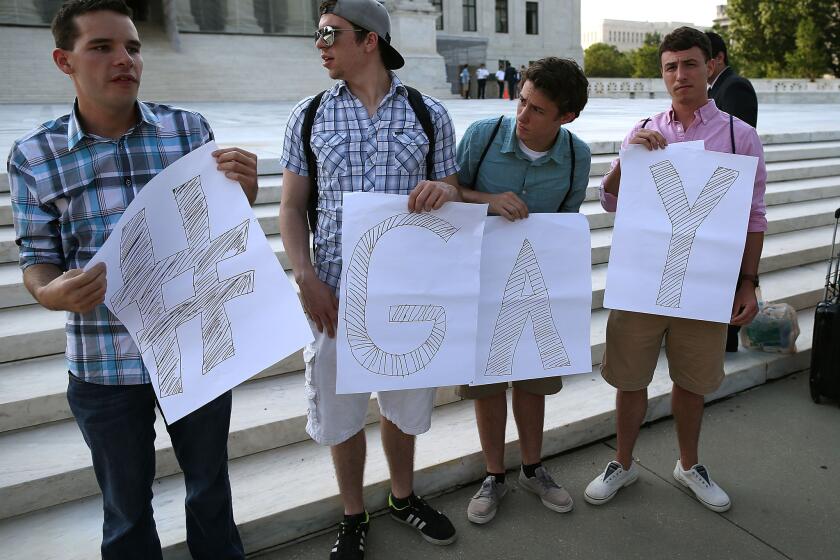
(543, 184)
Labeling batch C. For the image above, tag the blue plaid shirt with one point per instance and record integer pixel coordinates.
(357, 152)
(69, 189)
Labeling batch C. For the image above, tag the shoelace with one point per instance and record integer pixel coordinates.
(486, 490)
(701, 473)
(423, 509)
(612, 468)
(546, 481)
(347, 529)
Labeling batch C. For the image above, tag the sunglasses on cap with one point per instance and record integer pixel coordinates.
(328, 33)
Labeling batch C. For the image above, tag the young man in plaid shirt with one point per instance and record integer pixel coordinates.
(365, 137)
(71, 180)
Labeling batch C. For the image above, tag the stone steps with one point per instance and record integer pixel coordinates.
(50, 464)
(49, 502)
(289, 492)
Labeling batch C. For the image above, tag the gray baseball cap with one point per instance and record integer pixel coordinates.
(372, 15)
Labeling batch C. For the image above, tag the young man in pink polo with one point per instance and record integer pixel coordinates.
(695, 349)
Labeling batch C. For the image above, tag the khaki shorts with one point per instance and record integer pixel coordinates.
(543, 386)
(695, 351)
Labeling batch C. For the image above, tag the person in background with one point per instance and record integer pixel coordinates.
(734, 95)
(481, 75)
(465, 82)
(500, 80)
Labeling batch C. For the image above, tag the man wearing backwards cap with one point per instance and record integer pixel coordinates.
(365, 137)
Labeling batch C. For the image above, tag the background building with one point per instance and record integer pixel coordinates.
(252, 50)
(721, 19)
(497, 31)
(628, 35)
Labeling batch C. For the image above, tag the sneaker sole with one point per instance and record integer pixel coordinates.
(481, 520)
(432, 540)
(714, 507)
(549, 505)
(599, 501)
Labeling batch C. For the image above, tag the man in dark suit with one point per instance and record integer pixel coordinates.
(732, 93)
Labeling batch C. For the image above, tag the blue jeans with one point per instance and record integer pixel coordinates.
(117, 422)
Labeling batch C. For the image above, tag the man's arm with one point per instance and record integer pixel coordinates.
(745, 306)
(318, 298)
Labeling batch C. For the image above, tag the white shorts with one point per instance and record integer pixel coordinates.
(333, 419)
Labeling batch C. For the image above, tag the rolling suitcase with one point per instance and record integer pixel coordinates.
(825, 350)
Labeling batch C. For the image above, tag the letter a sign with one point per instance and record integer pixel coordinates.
(679, 231)
(536, 299)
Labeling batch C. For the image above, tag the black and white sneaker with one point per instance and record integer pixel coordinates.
(350, 544)
(434, 526)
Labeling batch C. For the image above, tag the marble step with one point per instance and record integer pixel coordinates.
(818, 194)
(789, 216)
(289, 492)
(30, 331)
(780, 160)
(49, 464)
(32, 391)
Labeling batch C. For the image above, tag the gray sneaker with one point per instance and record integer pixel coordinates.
(552, 495)
(484, 504)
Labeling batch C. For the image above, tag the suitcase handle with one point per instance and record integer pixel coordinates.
(832, 289)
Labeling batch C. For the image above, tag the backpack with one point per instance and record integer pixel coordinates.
(421, 112)
(490, 143)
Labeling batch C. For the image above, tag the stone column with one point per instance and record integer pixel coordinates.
(414, 35)
(241, 18)
(183, 15)
(22, 12)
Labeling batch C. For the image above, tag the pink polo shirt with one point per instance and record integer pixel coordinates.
(712, 126)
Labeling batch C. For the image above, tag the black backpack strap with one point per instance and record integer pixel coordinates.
(571, 173)
(415, 99)
(732, 132)
(486, 149)
(311, 162)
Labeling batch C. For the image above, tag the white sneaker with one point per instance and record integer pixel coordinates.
(698, 480)
(614, 478)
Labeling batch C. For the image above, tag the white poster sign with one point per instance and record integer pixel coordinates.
(194, 280)
(536, 298)
(679, 232)
(409, 294)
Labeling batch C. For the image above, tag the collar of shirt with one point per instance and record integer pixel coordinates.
(722, 72)
(702, 115)
(396, 86)
(75, 132)
(510, 144)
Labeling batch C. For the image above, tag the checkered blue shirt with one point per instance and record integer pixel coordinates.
(356, 152)
(69, 190)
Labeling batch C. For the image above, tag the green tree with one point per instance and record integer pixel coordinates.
(646, 62)
(809, 59)
(766, 35)
(601, 60)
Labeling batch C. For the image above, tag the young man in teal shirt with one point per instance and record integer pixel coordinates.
(531, 164)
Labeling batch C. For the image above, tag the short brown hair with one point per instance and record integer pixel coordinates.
(562, 80)
(64, 28)
(684, 38)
